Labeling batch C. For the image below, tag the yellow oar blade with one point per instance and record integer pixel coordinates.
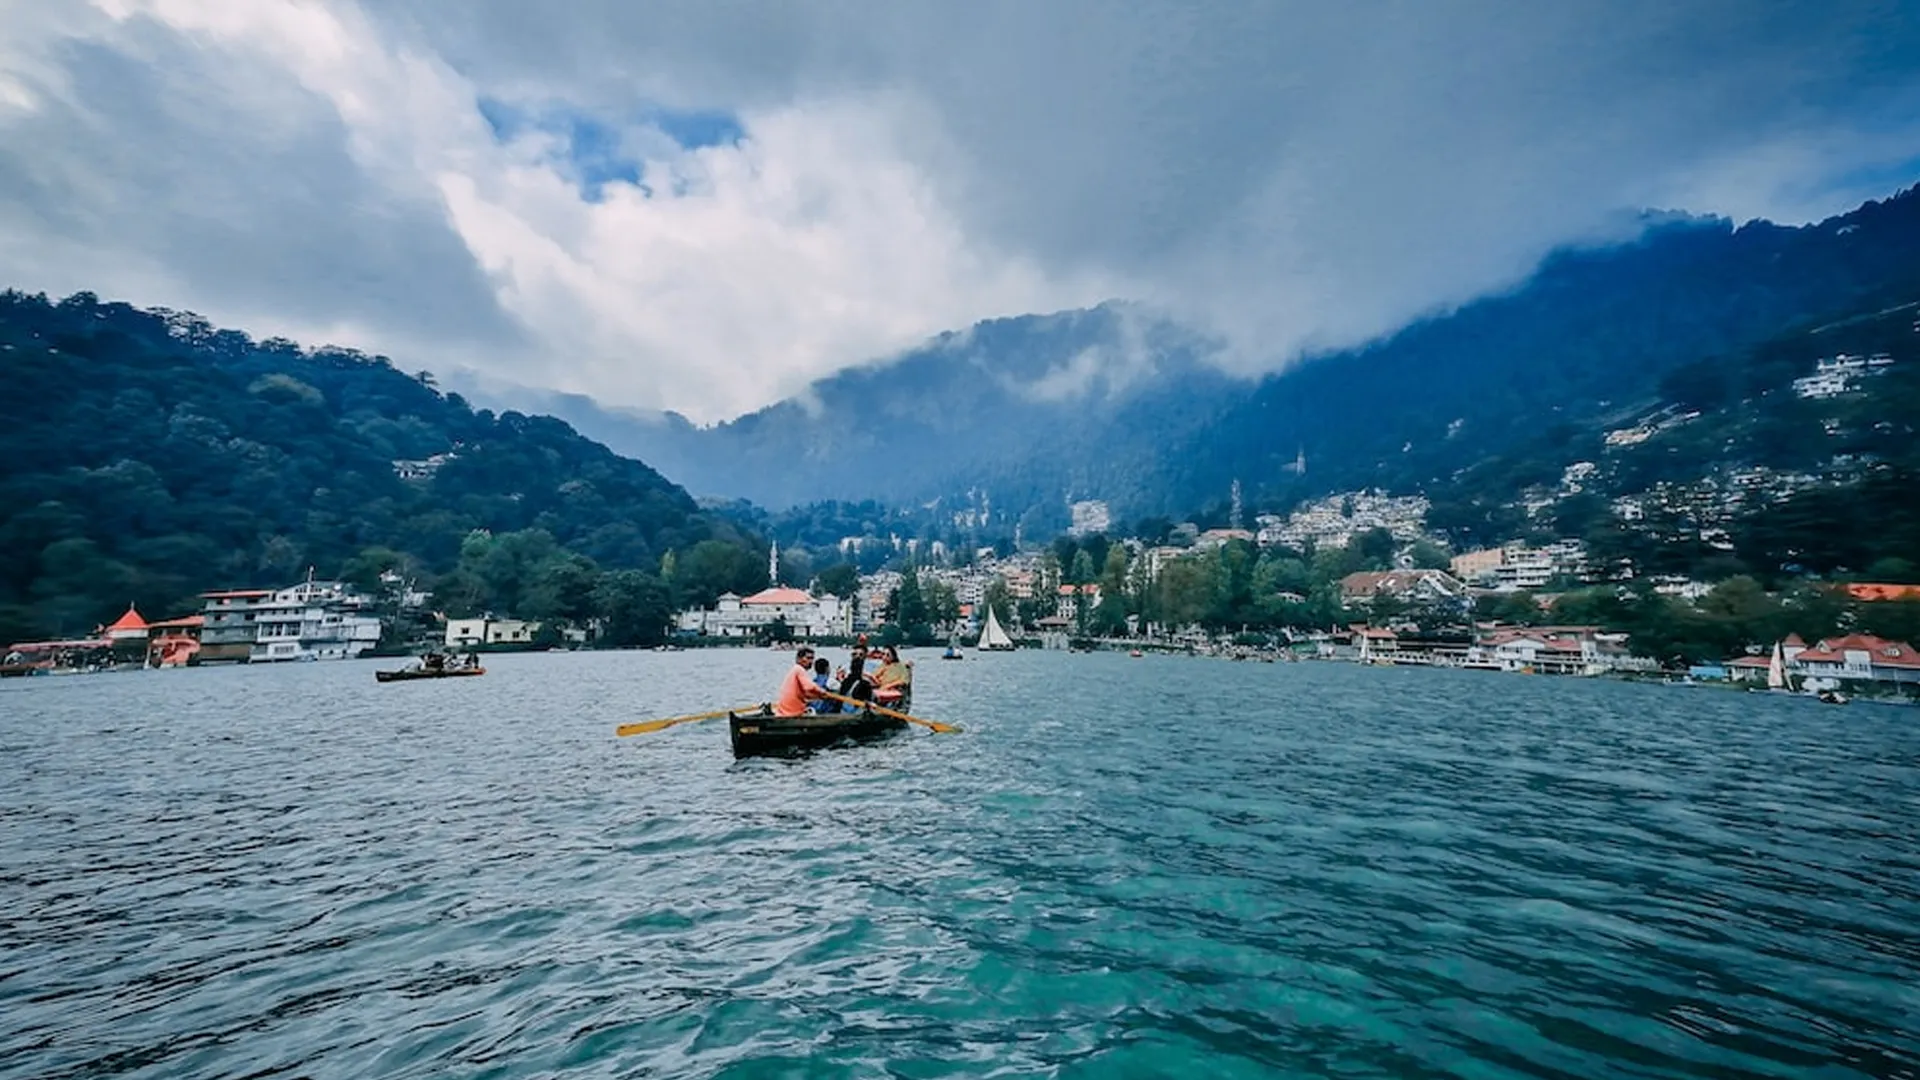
(933, 725)
(646, 726)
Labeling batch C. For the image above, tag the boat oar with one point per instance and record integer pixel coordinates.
(933, 725)
(646, 726)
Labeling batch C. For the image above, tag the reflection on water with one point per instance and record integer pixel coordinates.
(1151, 866)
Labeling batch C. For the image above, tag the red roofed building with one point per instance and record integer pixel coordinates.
(805, 614)
(1362, 588)
(128, 627)
(174, 642)
(1556, 650)
(1067, 605)
(1860, 657)
(779, 595)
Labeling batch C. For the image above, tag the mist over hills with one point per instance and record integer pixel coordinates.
(1113, 403)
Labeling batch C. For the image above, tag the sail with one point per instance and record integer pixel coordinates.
(1776, 670)
(992, 636)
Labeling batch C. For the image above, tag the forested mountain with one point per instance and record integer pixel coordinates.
(1013, 409)
(1731, 468)
(146, 456)
(1019, 412)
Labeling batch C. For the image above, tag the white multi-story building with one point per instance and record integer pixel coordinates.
(466, 633)
(805, 614)
(314, 620)
(1517, 566)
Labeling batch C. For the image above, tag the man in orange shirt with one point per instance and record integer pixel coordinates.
(798, 687)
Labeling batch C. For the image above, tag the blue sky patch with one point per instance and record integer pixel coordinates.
(696, 128)
(593, 154)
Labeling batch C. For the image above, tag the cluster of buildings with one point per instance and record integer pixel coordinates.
(1337, 519)
(312, 620)
(1840, 374)
(1535, 650)
(1851, 658)
(1647, 427)
(1513, 567)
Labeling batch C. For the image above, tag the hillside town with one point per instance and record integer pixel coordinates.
(1488, 609)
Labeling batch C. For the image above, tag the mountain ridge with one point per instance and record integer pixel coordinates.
(1592, 328)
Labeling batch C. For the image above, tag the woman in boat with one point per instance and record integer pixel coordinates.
(894, 681)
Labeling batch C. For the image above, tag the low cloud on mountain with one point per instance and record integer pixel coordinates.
(705, 206)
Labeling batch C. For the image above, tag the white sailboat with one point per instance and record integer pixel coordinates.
(1777, 671)
(992, 637)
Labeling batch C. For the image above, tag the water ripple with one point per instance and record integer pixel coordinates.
(1125, 867)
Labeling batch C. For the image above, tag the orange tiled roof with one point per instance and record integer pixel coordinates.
(1880, 651)
(130, 621)
(779, 595)
(1872, 592)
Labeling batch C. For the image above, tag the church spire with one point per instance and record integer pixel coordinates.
(773, 565)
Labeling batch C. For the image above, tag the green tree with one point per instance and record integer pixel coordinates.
(1894, 570)
(841, 580)
(1427, 555)
(1519, 608)
(633, 605)
(1183, 593)
(712, 567)
(1082, 568)
(363, 570)
(943, 606)
(562, 590)
(909, 608)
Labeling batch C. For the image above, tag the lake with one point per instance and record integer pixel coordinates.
(1123, 867)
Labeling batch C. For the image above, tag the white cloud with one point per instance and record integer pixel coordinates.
(1288, 176)
(749, 270)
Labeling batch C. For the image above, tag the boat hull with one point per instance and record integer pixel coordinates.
(404, 675)
(766, 735)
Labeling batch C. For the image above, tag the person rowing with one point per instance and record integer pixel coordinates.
(798, 687)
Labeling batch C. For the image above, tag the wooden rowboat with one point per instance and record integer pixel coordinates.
(763, 734)
(423, 673)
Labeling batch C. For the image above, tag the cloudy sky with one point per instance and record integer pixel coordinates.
(704, 205)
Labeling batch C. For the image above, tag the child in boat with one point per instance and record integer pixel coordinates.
(820, 679)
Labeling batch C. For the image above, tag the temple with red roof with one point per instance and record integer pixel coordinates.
(804, 614)
(127, 627)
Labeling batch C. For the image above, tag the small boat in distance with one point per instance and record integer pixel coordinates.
(405, 674)
(434, 666)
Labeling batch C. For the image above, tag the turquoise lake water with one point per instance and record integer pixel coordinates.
(1124, 867)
